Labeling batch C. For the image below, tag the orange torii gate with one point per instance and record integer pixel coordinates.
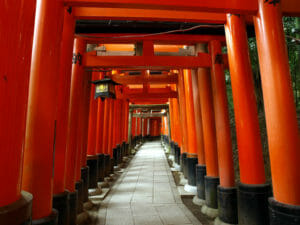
(43, 123)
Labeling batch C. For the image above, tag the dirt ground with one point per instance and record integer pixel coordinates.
(196, 210)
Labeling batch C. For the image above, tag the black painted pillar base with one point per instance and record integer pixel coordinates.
(49, 220)
(86, 180)
(107, 164)
(17, 213)
(253, 204)
(185, 167)
(101, 167)
(141, 139)
(115, 156)
(111, 171)
(123, 150)
(227, 202)
(191, 170)
(211, 193)
(177, 154)
(79, 188)
(172, 146)
(119, 154)
(72, 208)
(182, 160)
(283, 214)
(200, 181)
(135, 141)
(60, 203)
(92, 162)
(127, 151)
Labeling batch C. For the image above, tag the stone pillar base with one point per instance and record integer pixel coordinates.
(210, 212)
(198, 201)
(191, 189)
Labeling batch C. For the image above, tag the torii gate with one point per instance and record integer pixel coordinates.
(30, 137)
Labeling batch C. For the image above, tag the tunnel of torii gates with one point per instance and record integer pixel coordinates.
(57, 140)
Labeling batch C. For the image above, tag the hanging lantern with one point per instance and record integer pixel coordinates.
(105, 88)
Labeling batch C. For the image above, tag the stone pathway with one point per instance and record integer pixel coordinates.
(145, 194)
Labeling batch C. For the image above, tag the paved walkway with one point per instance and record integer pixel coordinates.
(145, 194)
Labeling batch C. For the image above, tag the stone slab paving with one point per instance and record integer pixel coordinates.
(145, 194)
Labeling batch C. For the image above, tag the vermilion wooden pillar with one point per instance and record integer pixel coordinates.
(92, 132)
(115, 124)
(145, 127)
(42, 104)
(92, 158)
(110, 128)
(181, 101)
(172, 144)
(99, 135)
(133, 129)
(138, 125)
(192, 159)
(198, 119)
(176, 128)
(211, 180)
(100, 123)
(16, 20)
(115, 132)
(280, 110)
(227, 193)
(172, 120)
(63, 102)
(83, 120)
(73, 150)
(105, 136)
(176, 120)
(107, 103)
(252, 191)
(126, 117)
(61, 196)
(82, 168)
(181, 95)
(199, 199)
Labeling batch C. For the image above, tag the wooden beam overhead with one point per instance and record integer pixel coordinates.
(148, 62)
(170, 94)
(152, 79)
(149, 101)
(90, 13)
(174, 39)
(219, 6)
(146, 115)
(149, 106)
(289, 7)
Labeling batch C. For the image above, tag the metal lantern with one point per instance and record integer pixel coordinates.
(105, 88)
